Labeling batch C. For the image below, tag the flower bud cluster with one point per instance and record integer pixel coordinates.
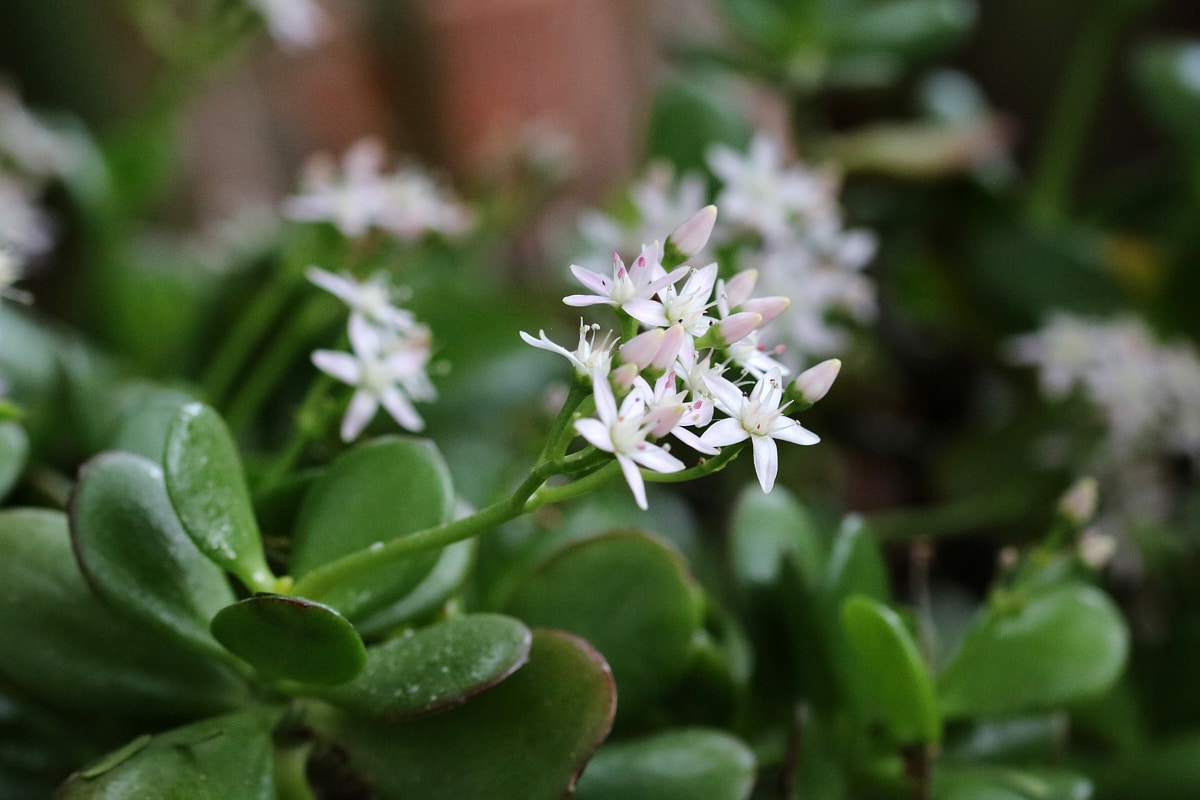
(690, 365)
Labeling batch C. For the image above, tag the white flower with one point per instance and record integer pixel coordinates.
(385, 370)
(622, 432)
(294, 24)
(659, 201)
(628, 289)
(24, 229)
(686, 306)
(36, 149)
(758, 418)
(352, 201)
(674, 412)
(589, 357)
(413, 205)
(371, 298)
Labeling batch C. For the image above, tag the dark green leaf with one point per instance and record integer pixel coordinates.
(631, 597)
(373, 494)
(768, 529)
(896, 681)
(14, 449)
(1002, 783)
(136, 555)
(686, 120)
(526, 739)
(1034, 653)
(683, 764)
(225, 758)
(1168, 74)
(61, 644)
(208, 489)
(291, 638)
(443, 580)
(436, 667)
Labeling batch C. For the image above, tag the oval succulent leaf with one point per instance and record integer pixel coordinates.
(291, 638)
(436, 667)
(896, 682)
(1045, 651)
(14, 449)
(135, 554)
(115, 665)
(526, 739)
(683, 764)
(627, 577)
(208, 489)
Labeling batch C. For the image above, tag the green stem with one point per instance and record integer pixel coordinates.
(312, 421)
(562, 431)
(1074, 108)
(707, 467)
(242, 339)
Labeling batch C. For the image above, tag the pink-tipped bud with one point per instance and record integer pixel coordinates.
(739, 287)
(815, 382)
(738, 326)
(691, 236)
(768, 307)
(642, 349)
(1096, 549)
(622, 377)
(668, 350)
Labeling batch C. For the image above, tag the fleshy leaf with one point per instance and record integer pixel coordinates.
(684, 764)
(526, 739)
(208, 489)
(14, 449)
(629, 595)
(896, 681)
(292, 638)
(1036, 653)
(217, 759)
(767, 529)
(64, 646)
(436, 667)
(443, 580)
(135, 554)
(372, 494)
(1004, 783)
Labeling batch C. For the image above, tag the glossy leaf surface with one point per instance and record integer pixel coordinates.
(526, 739)
(897, 684)
(293, 638)
(372, 494)
(114, 665)
(1044, 651)
(683, 764)
(136, 555)
(452, 567)
(14, 449)
(630, 596)
(436, 667)
(208, 489)
(217, 759)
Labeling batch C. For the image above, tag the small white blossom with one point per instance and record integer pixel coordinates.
(629, 289)
(659, 202)
(294, 24)
(371, 298)
(622, 432)
(759, 418)
(385, 370)
(589, 357)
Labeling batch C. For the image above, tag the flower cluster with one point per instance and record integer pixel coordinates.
(406, 203)
(782, 221)
(1145, 390)
(689, 365)
(389, 358)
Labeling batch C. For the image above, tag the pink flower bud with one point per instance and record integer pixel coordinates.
(769, 307)
(641, 349)
(739, 287)
(814, 382)
(738, 326)
(691, 236)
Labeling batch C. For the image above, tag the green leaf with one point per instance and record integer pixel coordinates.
(372, 494)
(135, 554)
(1003, 783)
(629, 595)
(145, 417)
(526, 739)
(898, 686)
(447, 575)
(64, 646)
(686, 119)
(1034, 653)
(683, 764)
(292, 638)
(768, 529)
(14, 450)
(208, 489)
(436, 667)
(217, 759)
(855, 565)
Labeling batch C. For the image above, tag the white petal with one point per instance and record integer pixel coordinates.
(592, 280)
(647, 312)
(401, 409)
(579, 300)
(606, 404)
(596, 433)
(789, 430)
(723, 432)
(766, 460)
(361, 410)
(726, 395)
(345, 290)
(365, 338)
(342, 366)
(693, 441)
(634, 478)
(653, 457)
